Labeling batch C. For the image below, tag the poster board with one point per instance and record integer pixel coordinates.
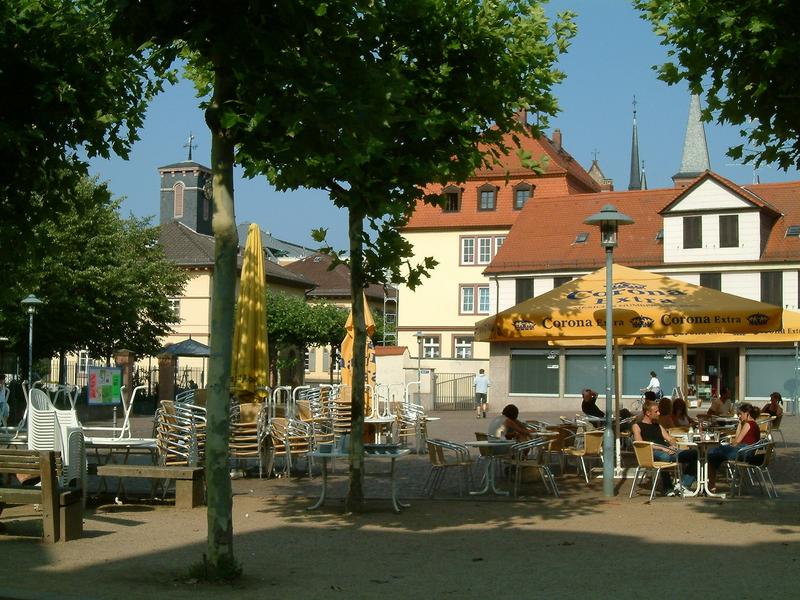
(104, 385)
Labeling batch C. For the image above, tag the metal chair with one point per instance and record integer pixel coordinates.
(648, 464)
(532, 454)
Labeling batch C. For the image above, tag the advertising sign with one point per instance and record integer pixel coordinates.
(104, 385)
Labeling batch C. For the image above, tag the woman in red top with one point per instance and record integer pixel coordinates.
(747, 433)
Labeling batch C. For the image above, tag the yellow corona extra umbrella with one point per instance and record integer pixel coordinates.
(347, 354)
(250, 355)
(645, 305)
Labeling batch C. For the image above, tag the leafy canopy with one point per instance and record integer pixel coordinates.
(744, 54)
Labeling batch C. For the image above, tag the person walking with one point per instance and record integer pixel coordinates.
(481, 386)
(4, 398)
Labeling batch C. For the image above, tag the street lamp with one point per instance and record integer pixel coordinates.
(418, 335)
(609, 220)
(30, 304)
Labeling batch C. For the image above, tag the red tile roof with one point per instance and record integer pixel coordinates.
(331, 283)
(390, 350)
(555, 222)
(562, 175)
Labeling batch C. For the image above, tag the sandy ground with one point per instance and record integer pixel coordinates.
(537, 546)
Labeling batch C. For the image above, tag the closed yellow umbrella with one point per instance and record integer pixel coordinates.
(250, 349)
(347, 353)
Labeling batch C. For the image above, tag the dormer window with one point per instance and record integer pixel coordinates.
(522, 193)
(487, 197)
(452, 199)
(729, 231)
(660, 235)
(581, 238)
(793, 231)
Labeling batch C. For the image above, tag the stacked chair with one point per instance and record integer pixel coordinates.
(244, 440)
(180, 432)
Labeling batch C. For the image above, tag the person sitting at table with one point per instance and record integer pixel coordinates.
(589, 404)
(665, 412)
(747, 433)
(680, 414)
(774, 407)
(507, 426)
(665, 448)
(723, 405)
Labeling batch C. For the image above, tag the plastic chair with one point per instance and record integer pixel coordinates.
(648, 464)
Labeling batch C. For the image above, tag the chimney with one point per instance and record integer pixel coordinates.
(522, 116)
(557, 138)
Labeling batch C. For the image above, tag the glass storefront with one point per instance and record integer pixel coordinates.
(534, 372)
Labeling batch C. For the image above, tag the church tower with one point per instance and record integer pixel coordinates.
(694, 161)
(636, 176)
(186, 194)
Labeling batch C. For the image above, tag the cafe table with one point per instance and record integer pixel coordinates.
(491, 450)
(702, 445)
(388, 454)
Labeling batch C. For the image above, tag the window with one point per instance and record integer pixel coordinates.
(524, 289)
(484, 250)
(206, 209)
(83, 361)
(175, 305)
(772, 287)
(711, 280)
(452, 199)
(467, 300)
(692, 232)
(307, 360)
(485, 247)
(431, 347)
(534, 372)
(660, 235)
(474, 300)
(467, 251)
(486, 197)
(793, 231)
(462, 346)
(177, 193)
(729, 231)
(522, 194)
(581, 238)
(557, 281)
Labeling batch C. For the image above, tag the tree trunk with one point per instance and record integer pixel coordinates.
(220, 559)
(355, 493)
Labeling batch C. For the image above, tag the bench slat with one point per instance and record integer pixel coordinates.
(150, 472)
(20, 496)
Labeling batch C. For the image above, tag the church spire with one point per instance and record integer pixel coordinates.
(694, 161)
(644, 178)
(636, 179)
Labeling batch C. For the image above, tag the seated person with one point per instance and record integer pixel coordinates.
(624, 415)
(747, 433)
(774, 407)
(721, 406)
(680, 414)
(507, 426)
(665, 412)
(664, 448)
(589, 404)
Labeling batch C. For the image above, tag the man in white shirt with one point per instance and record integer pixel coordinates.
(654, 385)
(481, 386)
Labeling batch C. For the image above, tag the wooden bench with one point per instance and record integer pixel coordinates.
(62, 510)
(189, 481)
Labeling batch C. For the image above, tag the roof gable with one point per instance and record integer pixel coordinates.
(711, 192)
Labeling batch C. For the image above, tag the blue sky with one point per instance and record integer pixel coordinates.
(608, 63)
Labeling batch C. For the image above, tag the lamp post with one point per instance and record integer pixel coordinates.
(609, 220)
(30, 304)
(418, 335)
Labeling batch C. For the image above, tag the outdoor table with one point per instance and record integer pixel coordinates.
(380, 422)
(390, 456)
(493, 449)
(702, 446)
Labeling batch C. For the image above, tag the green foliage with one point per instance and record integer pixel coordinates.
(291, 321)
(744, 54)
(70, 89)
(104, 280)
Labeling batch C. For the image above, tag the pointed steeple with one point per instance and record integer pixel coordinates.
(644, 178)
(636, 180)
(694, 161)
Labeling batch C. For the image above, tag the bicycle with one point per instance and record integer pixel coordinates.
(638, 404)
